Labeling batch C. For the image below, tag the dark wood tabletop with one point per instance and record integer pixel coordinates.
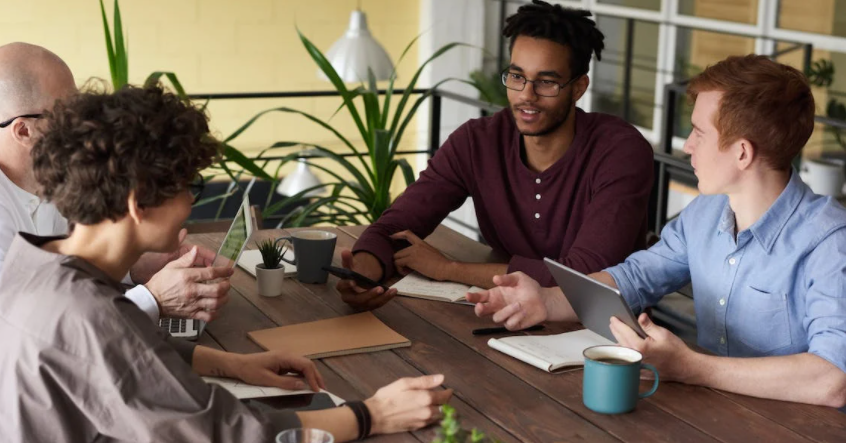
(500, 395)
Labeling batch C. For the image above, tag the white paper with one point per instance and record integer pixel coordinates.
(550, 352)
(243, 390)
(416, 285)
(249, 260)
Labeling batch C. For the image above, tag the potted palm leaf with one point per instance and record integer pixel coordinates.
(270, 273)
(359, 190)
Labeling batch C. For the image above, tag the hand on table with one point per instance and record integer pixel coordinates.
(185, 291)
(516, 301)
(356, 296)
(421, 257)
(661, 348)
(270, 369)
(407, 404)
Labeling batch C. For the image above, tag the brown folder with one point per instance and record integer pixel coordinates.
(351, 334)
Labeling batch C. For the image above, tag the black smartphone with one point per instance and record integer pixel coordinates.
(301, 402)
(346, 274)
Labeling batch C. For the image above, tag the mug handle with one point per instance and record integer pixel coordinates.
(288, 239)
(654, 385)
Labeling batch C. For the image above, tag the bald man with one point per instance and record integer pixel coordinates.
(31, 80)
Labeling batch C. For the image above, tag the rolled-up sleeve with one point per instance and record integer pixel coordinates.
(646, 276)
(825, 302)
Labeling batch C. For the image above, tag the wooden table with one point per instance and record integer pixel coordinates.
(496, 393)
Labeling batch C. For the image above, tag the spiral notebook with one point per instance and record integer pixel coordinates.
(351, 334)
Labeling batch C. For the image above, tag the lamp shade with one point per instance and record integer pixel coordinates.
(356, 51)
(299, 180)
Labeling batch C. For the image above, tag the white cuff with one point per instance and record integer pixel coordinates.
(128, 279)
(142, 297)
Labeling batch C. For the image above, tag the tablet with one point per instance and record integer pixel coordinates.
(594, 303)
(237, 237)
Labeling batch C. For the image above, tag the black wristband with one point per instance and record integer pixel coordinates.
(362, 416)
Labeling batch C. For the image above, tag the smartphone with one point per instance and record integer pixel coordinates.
(302, 402)
(346, 274)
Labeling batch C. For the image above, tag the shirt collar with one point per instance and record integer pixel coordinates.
(32, 246)
(769, 226)
(23, 197)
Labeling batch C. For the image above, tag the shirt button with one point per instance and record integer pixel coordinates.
(537, 180)
(537, 197)
(732, 261)
(722, 302)
(537, 215)
(722, 340)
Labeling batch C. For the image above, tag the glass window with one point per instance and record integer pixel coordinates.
(608, 78)
(740, 11)
(654, 5)
(696, 50)
(818, 16)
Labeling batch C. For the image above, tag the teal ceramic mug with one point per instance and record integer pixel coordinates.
(612, 379)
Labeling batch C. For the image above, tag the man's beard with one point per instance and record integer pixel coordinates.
(556, 122)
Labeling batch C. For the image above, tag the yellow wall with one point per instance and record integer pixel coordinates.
(220, 46)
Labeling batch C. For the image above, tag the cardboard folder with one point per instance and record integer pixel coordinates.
(351, 334)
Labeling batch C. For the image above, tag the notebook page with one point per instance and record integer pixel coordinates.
(416, 285)
(549, 352)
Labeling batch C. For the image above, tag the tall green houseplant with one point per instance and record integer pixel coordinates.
(364, 197)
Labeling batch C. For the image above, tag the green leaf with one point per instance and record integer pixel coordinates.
(387, 107)
(243, 161)
(410, 86)
(110, 51)
(381, 153)
(154, 78)
(407, 171)
(335, 79)
(120, 50)
(398, 135)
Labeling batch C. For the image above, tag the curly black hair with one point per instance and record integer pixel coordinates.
(567, 26)
(97, 147)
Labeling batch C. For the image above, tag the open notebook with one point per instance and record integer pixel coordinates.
(249, 260)
(550, 352)
(243, 391)
(351, 334)
(416, 285)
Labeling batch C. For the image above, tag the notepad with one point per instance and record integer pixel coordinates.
(550, 352)
(243, 391)
(418, 286)
(249, 260)
(351, 334)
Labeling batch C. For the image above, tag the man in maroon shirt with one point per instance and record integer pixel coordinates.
(546, 178)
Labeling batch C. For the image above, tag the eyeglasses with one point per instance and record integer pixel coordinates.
(196, 187)
(543, 88)
(9, 121)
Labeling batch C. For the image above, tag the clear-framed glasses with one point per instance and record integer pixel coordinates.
(9, 121)
(543, 88)
(196, 187)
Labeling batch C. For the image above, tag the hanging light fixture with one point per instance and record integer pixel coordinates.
(299, 180)
(357, 51)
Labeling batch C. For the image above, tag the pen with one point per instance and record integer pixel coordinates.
(502, 329)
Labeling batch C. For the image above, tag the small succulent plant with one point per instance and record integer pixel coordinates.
(271, 253)
(451, 431)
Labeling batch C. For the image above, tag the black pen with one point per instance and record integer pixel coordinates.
(502, 329)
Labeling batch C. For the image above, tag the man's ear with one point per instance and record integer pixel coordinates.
(22, 133)
(746, 153)
(136, 213)
(580, 86)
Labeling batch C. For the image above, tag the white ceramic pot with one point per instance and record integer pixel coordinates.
(269, 280)
(824, 176)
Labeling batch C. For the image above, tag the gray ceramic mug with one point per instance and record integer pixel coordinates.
(313, 249)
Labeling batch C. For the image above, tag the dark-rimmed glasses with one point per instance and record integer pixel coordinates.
(9, 121)
(543, 88)
(196, 188)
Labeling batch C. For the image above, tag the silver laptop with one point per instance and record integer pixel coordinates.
(236, 239)
(594, 303)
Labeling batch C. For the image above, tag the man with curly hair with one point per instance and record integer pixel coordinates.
(93, 368)
(546, 178)
(31, 80)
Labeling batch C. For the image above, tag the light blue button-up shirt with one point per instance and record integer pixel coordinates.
(779, 288)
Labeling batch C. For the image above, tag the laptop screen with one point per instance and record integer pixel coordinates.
(236, 238)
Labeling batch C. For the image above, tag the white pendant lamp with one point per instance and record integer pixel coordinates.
(356, 51)
(299, 180)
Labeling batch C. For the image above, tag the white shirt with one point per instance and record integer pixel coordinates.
(25, 212)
